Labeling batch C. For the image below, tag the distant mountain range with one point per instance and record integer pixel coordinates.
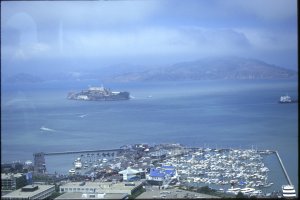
(211, 69)
(234, 68)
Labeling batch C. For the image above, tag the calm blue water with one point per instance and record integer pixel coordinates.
(203, 113)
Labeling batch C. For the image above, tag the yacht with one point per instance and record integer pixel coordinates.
(288, 191)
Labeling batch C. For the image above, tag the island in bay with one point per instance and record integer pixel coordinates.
(98, 94)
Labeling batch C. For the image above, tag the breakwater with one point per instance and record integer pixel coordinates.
(283, 168)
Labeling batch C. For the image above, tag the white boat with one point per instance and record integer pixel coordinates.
(247, 190)
(86, 165)
(78, 163)
(288, 191)
(72, 171)
(234, 190)
(285, 99)
(257, 193)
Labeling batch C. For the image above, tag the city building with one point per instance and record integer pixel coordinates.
(30, 192)
(39, 163)
(12, 181)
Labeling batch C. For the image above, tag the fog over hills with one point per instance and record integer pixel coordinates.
(211, 68)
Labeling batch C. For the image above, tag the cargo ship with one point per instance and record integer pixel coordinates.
(287, 99)
(98, 94)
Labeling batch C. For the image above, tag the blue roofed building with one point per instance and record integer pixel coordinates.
(161, 174)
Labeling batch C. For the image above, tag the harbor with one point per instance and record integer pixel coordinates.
(227, 171)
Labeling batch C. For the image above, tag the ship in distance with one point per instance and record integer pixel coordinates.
(98, 94)
(287, 99)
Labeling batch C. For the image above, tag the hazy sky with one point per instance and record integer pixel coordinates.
(83, 34)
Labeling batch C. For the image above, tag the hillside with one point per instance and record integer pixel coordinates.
(211, 69)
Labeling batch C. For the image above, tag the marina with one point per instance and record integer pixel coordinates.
(228, 171)
(231, 171)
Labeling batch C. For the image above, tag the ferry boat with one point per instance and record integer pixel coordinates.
(288, 191)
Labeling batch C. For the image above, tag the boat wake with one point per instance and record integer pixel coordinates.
(82, 116)
(43, 128)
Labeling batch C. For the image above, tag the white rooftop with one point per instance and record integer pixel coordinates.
(129, 171)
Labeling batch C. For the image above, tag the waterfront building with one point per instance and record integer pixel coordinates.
(102, 187)
(31, 192)
(86, 196)
(158, 175)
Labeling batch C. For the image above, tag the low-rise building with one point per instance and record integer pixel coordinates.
(102, 187)
(162, 174)
(31, 192)
(88, 196)
(129, 174)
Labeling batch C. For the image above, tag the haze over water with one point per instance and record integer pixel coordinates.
(222, 114)
(44, 41)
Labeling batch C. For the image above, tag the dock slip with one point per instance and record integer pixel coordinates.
(40, 162)
(282, 166)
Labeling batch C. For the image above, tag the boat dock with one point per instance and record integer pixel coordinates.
(283, 168)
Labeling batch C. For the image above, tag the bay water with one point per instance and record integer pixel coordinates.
(216, 114)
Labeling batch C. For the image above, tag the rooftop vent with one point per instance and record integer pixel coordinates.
(30, 188)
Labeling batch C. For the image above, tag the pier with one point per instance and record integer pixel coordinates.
(284, 170)
(40, 162)
(82, 151)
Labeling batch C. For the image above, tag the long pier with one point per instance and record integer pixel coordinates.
(82, 151)
(282, 166)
